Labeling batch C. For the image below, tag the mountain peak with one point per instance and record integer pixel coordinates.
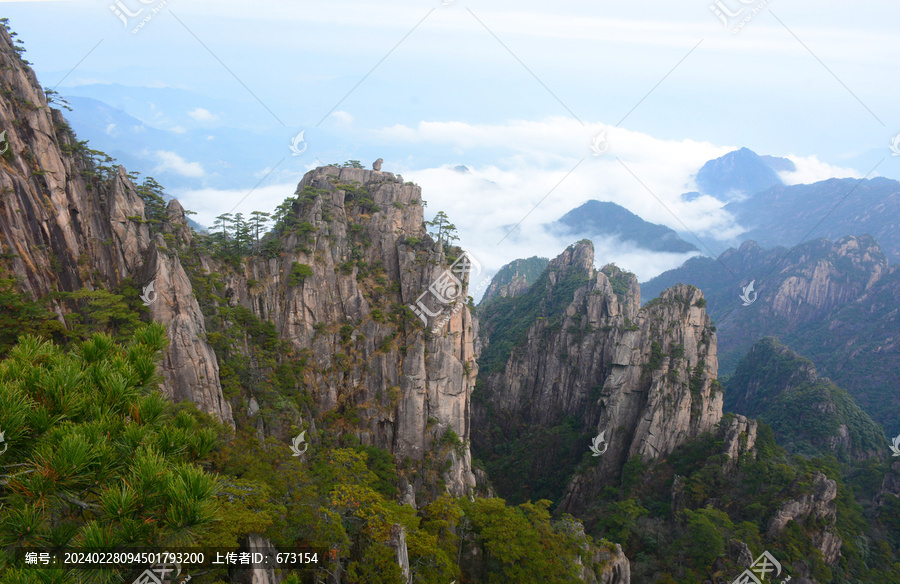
(740, 172)
(579, 255)
(606, 219)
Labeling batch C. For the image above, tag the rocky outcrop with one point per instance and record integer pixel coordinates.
(817, 505)
(740, 553)
(398, 544)
(64, 228)
(739, 435)
(354, 268)
(603, 564)
(616, 569)
(190, 365)
(819, 286)
(514, 278)
(832, 301)
(677, 496)
(644, 377)
(255, 572)
(890, 485)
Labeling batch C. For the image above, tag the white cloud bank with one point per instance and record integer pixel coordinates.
(522, 175)
(203, 115)
(209, 203)
(810, 169)
(541, 170)
(173, 162)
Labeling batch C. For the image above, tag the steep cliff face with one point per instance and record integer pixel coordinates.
(576, 353)
(796, 286)
(65, 227)
(833, 302)
(738, 437)
(353, 257)
(67, 224)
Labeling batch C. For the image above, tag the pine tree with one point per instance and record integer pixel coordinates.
(259, 219)
(243, 239)
(151, 192)
(443, 231)
(284, 214)
(96, 456)
(222, 222)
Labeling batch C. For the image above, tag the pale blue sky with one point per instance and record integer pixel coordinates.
(515, 90)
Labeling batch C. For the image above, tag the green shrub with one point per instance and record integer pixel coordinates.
(299, 273)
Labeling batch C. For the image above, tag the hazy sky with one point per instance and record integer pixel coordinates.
(514, 90)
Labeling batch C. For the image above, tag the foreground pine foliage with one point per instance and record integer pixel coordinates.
(99, 459)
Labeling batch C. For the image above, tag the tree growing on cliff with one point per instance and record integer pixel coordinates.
(260, 221)
(151, 192)
(243, 238)
(442, 230)
(222, 222)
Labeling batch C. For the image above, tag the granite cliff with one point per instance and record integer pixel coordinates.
(71, 221)
(65, 227)
(576, 351)
(350, 258)
(833, 302)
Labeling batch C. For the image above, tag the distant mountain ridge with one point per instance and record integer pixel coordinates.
(606, 219)
(770, 212)
(774, 213)
(809, 414)
(834, 302)
(137, 146)
(833, 208)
